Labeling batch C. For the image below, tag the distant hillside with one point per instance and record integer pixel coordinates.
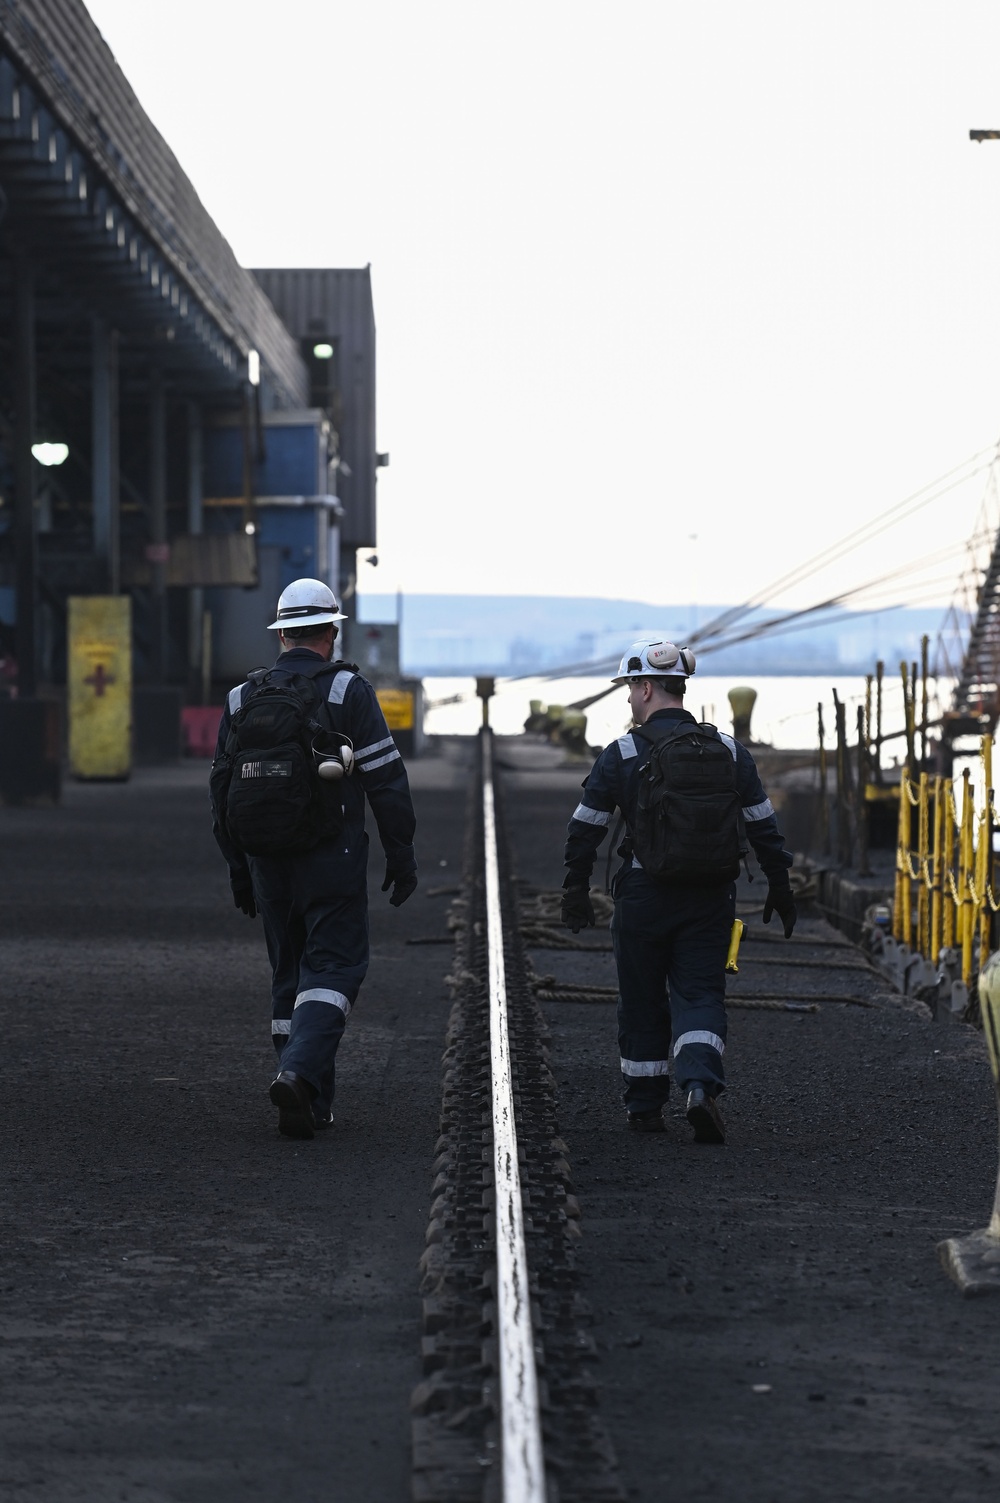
(524, 634)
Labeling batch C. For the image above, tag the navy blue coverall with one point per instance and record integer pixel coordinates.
(315, 906)
(670, 941)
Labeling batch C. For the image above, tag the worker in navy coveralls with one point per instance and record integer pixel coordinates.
(315, 906)
(670, 941)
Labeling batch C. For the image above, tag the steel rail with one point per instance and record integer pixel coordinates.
(523, 1466)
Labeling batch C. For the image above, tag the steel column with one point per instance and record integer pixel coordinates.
(195, 518)
(158, 525)
(25, 532)
(105, 490)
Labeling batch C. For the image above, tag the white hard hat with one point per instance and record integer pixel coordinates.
(306, 602)
(655, 660)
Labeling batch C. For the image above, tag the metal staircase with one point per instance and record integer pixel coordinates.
(977, 691)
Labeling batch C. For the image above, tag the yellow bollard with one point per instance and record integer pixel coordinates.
(973, 1261)
(736, 934)
(937, 863)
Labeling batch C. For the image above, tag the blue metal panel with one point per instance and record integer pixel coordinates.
(294, 530)
(291, 467)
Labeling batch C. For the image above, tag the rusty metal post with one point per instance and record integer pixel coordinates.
(924, 643)
(879, 676)
(864, 868)
(824, 804)
(908, 711)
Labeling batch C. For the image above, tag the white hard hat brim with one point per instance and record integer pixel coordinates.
(313, 618)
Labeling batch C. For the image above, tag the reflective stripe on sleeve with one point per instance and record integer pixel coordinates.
(369, 751)
(591, 816)
(730, 743)
(280, 1026)
(627, 746)
(645, 1067)
(236, 698)
(758, 811)
(699, 1036)
(323, 994)
(392, 756)
(339, 687)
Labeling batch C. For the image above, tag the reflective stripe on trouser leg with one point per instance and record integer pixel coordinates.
(315, 912)
(670, 948)
(318, 1024)
(698, 1059)
(697, 975)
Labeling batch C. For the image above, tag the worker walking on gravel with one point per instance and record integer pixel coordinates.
(690, 798)
(301, 745)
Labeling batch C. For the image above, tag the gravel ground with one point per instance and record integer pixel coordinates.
(772, 1321)
(193, 1308)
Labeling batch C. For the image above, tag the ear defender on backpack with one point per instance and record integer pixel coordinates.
(334, 757)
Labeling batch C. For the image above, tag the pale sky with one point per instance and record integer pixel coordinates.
(668, 295)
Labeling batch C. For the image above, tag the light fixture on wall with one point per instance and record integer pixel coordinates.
(50, 454)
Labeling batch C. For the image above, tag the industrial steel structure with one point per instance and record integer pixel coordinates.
(129, 336)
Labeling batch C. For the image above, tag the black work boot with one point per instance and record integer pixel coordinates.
(293, 1098)
(646, 1121)
(705, 1117)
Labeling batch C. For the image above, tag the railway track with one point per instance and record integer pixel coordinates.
(507, 1406)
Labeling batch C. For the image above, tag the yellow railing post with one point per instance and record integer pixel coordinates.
(984, 862)
(965, 878)
(937, 862)
(923, 852)
(901, 922)
(947, 861)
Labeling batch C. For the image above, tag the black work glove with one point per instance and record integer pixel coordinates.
(783, 904)
(243, 893)
(577, 911)
(403, 885)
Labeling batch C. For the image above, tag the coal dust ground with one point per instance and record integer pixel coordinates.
(193, 1308)
(771, 1318)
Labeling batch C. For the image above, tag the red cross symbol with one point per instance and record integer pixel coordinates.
(100, 680)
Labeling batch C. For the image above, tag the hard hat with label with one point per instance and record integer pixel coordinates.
(307, 602)
(655, 660)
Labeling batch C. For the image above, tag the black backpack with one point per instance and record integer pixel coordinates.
(689, 820)
(267, 795)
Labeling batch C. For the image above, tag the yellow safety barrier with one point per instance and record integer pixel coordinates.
(950, 865)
